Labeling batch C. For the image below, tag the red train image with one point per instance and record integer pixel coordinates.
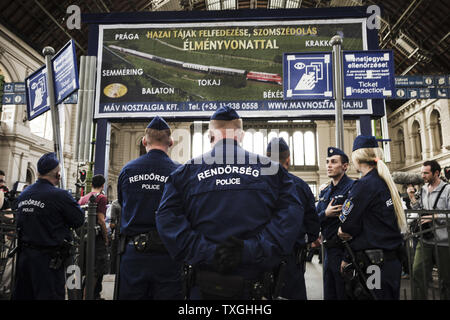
(250, 75)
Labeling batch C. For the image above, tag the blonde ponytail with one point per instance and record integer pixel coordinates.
(384, 173)
(374, 156)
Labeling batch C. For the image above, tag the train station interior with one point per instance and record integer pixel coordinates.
(412, 128)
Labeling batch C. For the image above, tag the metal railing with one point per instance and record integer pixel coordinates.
(427, 255)
(81, 259)
(8, 241)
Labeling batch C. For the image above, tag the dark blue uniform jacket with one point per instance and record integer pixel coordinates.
(330, 225)
(368, 215)
(310, 228)
(45, 214)
(204, 203)
(140, 187)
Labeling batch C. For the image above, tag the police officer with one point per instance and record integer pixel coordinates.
(146, 269)
(329, 207)
(294, 277)
(45, 216)
(231, 214)
(372, 220)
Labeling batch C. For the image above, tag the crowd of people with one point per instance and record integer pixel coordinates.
(231, 224)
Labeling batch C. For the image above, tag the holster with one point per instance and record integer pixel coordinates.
(334, 242)
(300, 253)
(279, 282)
(374, 256)
(355, 288)
(122, 245)
(60, 255)
(149, 242)
(188, 280)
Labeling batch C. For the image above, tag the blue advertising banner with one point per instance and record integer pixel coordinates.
(186, 69)
(64, 65)
(308, 76)
(368, 74)
(37, 93)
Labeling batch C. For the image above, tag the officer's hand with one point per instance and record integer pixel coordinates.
(333, 211)
(344, 236)
(343, 264)
(316, 243)
(228, 255)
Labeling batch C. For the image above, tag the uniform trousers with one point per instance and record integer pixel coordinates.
(333, 282)
(35, 280)
(294, 280)
(149, 276)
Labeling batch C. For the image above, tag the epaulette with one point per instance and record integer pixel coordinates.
(323, 186)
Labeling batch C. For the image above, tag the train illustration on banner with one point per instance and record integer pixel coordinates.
(250, 75)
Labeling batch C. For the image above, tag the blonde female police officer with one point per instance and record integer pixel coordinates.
(372, 218)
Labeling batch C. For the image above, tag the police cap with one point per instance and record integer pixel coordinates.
(332, 151)
(364, 142)
(158, 123)
(282, 145)
(47, 163)
(225, 113)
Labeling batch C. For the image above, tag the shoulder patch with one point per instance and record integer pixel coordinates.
(347, 207)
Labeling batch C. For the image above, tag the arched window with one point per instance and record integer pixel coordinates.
(142, 150)
(247, 143)
(112, 144)
(258, 143)
(206, 142)
(109, 192)
(299, 149)
(197, 144)
(401, 146)
(30, 177)
(417, 141)
(436, 131)
(299, 134)
(310, 149)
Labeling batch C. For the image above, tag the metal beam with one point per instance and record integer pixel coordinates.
(58, 24)
(104, 5)
(146, 6)
(405, 15)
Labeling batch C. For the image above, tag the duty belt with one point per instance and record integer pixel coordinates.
(376, 256)
(214, 285)
(45, 249)
(334, 242)
(147, 242)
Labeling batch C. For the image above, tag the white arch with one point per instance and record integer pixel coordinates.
(10, 73)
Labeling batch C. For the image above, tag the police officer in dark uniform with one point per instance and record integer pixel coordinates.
(294, 275)
(45, 216)
(231, 214)
(146, 269)
(329, 207)
(372, 220)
